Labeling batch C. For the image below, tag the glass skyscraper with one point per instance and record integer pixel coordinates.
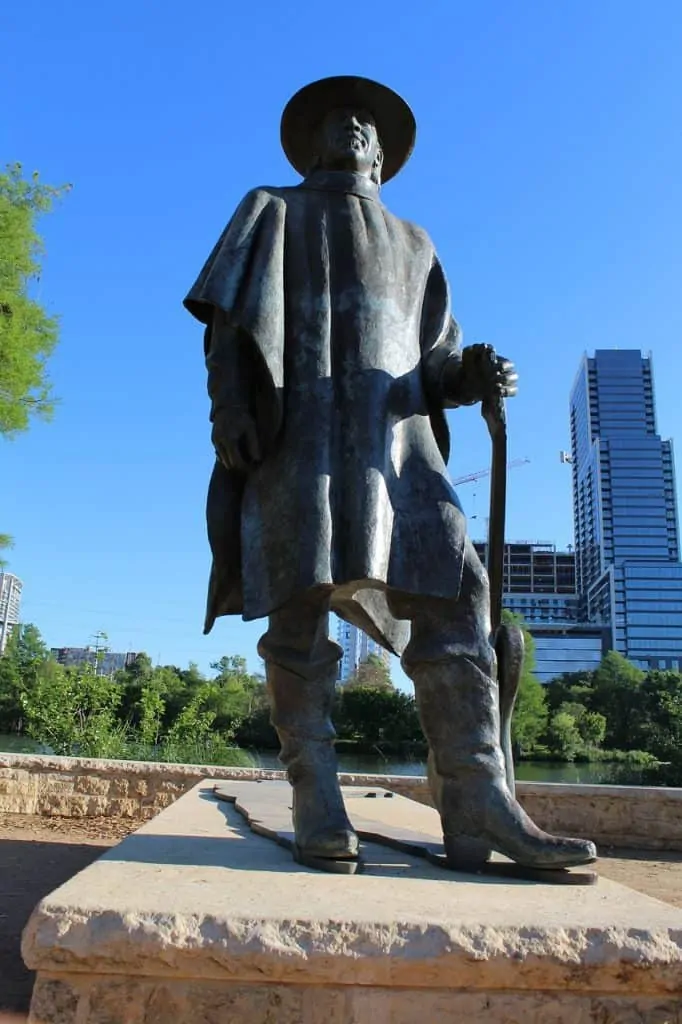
(628, 567)
(357, 647)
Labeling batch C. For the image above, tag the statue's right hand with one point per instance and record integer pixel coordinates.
(235, 439)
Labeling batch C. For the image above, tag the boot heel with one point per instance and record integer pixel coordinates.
(466, 853)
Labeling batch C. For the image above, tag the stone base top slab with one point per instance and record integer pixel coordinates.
(195, 898)
(268, 812)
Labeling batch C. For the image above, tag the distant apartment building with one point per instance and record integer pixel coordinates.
(10, 603)
(106, 662)
(357, 647)
(627, 540)
(540, 585)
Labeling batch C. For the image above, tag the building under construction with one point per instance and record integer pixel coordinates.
(540, 586)
(539, 581)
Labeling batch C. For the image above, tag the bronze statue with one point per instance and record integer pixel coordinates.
(332, 353)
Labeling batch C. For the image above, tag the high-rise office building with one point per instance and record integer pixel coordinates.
(357, 647)
(10, 602)
(625, 511)
(539, 585)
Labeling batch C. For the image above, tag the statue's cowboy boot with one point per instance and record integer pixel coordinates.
(459, 711)
(301, 714)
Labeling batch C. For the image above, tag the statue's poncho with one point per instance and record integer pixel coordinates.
(341, 327)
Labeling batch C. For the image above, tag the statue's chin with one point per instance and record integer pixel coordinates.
(350, 166)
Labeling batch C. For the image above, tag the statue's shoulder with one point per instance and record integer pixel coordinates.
(256, 203)
(415, 236)
(264, 195)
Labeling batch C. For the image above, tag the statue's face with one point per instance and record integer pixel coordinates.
(348, 141)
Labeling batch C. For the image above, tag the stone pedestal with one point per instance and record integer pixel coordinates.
(197, 920)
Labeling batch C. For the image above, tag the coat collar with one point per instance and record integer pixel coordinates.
(347, 182)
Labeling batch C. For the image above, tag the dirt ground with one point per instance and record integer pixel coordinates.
(655, 873)
(38, 854)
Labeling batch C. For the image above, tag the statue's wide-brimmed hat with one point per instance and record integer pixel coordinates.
(305, 111)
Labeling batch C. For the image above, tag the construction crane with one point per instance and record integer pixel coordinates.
(473, 477)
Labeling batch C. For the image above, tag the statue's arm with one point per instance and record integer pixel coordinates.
(230, 387)
(441, 341)
(455, 376)
(229, 298)
(442, 366)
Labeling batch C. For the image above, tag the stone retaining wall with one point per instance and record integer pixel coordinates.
(618, 816)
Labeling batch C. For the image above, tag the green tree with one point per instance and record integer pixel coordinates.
(617, 695)
(529, 720)
(177, 686)
(28, 334)
(563, 735)
(152, 707)
(5, 543)
(591, 725)
(239, 694)
(593, 728)
(571, 686)
(132, 680)
(229, 667)
(11, 687)
(660, 720)
(140, 668)
(27, 649)
(377, 718)
(193, 737)
(192, 677)
(373, 672)
(165, 680)
(256, 731)
(25, 662)
(73, 711)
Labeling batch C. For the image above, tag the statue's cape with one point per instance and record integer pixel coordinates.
(340, 328)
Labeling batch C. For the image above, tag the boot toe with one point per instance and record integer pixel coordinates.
(334, 843)
(560, 853)
(488, 815)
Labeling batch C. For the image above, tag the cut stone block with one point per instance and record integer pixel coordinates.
(197, 918)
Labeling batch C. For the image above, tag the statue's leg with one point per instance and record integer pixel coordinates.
(302, 668)
(451, 661)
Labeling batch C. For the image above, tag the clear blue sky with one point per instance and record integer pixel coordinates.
(548, 171)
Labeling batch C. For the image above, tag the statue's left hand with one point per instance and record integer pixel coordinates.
(481, 375)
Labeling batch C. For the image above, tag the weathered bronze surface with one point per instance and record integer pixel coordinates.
(332, 354)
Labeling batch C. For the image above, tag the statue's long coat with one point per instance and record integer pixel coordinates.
(341, 328)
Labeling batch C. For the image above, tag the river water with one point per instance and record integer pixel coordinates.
(528, 771)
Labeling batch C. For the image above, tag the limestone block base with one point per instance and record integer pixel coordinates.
(194, 919)
(107, 1000)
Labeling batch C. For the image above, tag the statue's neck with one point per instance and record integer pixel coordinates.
(348, 182)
